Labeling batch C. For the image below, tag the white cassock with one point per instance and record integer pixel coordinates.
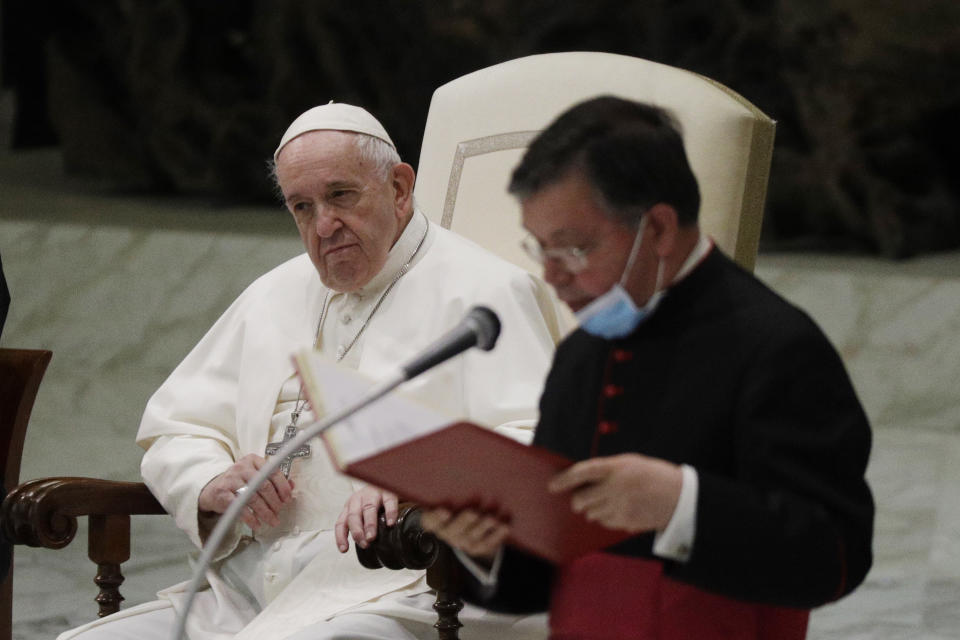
(235, 391)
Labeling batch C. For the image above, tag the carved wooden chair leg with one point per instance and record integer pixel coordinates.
(109, 547)
(445, 577)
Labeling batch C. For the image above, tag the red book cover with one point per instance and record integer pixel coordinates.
(464, 464)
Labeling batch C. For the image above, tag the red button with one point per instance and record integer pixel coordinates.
(612, 390)
(607, 427)
(622, 355)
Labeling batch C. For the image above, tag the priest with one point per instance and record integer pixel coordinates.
(377, 284)
(707, 417)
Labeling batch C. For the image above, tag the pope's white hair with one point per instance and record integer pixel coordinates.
(381, 155)
(372, 150)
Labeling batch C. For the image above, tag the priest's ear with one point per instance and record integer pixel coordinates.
(402, 178)
(663, 224)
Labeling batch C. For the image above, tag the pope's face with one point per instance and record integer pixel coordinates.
(565, 214)
(347, 214)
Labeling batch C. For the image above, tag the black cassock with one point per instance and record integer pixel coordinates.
(731, 379)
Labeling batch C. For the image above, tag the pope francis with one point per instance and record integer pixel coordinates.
(378, 283)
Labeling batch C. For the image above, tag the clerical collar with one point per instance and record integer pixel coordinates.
(699, 252)
(400, 253)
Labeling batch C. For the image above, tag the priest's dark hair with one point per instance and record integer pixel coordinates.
(631, 152)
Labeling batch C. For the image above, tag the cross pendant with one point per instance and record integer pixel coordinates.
(303, 451)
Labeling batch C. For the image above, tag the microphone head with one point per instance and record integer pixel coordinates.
(486, 326)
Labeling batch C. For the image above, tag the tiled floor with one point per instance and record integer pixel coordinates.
(121, 287)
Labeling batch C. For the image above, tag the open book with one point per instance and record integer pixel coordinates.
(437, 460)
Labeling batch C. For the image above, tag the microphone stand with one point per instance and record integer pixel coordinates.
(236, 506)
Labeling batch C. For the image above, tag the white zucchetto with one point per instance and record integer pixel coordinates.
(334, 116)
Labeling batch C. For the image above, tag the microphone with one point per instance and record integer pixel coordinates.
(479, 328)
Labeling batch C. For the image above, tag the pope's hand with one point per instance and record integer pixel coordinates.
(262, 508)
(360, 514)
(477, 534)
(627, 491)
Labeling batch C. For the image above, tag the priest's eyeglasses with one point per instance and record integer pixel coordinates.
(573, 259)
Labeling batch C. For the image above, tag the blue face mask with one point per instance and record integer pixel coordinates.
(614, 314)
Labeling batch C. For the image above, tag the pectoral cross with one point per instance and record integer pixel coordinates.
(303, 451)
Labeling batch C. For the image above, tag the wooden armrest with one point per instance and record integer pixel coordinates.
(43, 512)
(405, 545)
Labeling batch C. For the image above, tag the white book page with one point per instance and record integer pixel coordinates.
(385, 423)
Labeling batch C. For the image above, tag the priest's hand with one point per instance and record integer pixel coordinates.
(262, 508)
(360, 514)
(627, 491)
(477, 534)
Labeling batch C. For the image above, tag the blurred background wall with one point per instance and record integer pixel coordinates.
(189, 96)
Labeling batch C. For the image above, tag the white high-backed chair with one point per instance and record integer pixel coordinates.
(479, 125)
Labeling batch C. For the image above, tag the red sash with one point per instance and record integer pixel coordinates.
(604, 597)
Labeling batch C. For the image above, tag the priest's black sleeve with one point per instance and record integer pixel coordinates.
(793, 525)
(523, 585)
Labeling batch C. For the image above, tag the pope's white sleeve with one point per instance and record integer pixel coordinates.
(176, 469)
